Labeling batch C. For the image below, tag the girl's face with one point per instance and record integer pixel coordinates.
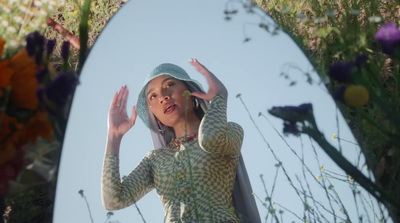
(165, 98)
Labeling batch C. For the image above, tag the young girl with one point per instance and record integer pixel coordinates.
(196, 166)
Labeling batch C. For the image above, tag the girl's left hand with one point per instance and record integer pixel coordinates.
(215, 86)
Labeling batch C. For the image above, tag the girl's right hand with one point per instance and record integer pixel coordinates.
(118, 121)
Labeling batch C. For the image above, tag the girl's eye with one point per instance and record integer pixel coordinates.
(152, 97)
(170, 84)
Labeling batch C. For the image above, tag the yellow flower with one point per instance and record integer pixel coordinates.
(90, 22)
(351, 179)
(321, 167)
(273, 203)
(334, 137)
(74, 13)
(356, 96)
(319, 177)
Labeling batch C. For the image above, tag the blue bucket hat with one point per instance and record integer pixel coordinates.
(163, 69)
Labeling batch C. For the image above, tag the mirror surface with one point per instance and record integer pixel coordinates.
(144, 34)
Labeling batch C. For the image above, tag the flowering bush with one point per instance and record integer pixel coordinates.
(34, 102)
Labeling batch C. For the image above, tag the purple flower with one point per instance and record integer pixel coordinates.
(340, 71)
(30, 44)
(61, 88)
(389, 37)
(362, 58)
(41, 74)
(65, 50)
(34, 45)
(293, 113)
(290, 128)
(338, 93)
(50, 44)
(39, 57)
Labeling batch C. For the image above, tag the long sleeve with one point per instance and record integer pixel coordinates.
(216, 135)
(117, 194)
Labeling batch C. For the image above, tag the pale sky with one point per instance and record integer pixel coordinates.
(144, 34)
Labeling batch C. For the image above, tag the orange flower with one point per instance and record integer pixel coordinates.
(5, 71)
(23, 81)
(37, 126)
(7, 153)
(2, 43)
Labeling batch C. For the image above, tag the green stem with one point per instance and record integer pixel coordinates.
(343, 163)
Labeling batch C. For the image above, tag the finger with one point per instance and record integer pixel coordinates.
(199, 67)
(119, 99)
(114, 100)
(124, 97)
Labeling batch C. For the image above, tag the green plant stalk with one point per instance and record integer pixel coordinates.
(190, 165)
(137, 208)
(83, 34)
(338, 158)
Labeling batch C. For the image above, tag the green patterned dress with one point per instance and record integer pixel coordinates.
(194, 180)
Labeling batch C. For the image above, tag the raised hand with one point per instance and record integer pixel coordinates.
(118, 121)
(215, 86)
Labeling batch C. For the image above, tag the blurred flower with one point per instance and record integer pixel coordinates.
(375, 19)
(351, 179)
(292, 113)
(321, 167)
(340, 71)
(389, 37)
(319, 177)
(59, 90)
(37, 126)
(362, 58)
(65, 50)
(23, 81)
(334, 137)
(330, 13)
(356, 96)
(50, 44)
(290, 127)
(338, 93)
(355, 12)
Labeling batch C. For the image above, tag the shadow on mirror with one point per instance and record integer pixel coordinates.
(250, 62)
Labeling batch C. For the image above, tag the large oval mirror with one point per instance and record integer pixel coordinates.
(144, 34)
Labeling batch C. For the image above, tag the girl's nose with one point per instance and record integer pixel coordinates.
(163, 98)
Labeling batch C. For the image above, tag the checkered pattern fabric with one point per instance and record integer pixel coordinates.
(194, 181)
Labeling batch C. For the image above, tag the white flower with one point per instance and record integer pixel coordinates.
(31, 12)
(43, 12)
(23, 8)
(355, 12)
(375, 19)
(330, 13)
(11, 29)
(301, 18)
(13, 43)
(4, 22)
(6, 8)
(53, 2)
(320, 20)
(38, 3)
(50, 7)
(19, 19)
(43, 25)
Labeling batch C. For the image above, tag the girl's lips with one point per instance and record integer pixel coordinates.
(169, 108)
